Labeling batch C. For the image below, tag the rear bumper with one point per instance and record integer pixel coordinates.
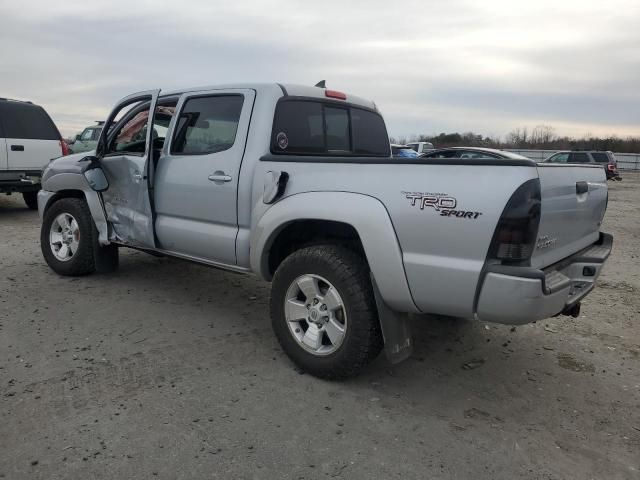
(517, 295)
(19, 181)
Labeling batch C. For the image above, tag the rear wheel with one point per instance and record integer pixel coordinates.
(68, 236)
(31, 199)
(323, 311)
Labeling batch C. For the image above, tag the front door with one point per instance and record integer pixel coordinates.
(124, 150)
(196, 178)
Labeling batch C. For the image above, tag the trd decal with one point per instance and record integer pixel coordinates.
(443, 203)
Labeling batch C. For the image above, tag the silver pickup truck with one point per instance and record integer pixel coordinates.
(297, 185)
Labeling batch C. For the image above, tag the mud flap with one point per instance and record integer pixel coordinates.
(396, 331)
(105, 258)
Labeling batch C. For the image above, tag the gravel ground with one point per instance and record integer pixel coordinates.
(170, 370)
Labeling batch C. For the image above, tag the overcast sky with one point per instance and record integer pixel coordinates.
(431, 66)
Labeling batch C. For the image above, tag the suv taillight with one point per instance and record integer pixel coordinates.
(612, 167)
(515, 236)
(64, 147)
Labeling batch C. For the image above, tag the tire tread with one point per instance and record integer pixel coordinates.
(83, 261)
(365, 337)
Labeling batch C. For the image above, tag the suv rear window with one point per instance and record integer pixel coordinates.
(600, 157)
(310, 127)
(27, 121)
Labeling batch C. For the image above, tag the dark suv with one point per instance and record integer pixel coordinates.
(607, 159)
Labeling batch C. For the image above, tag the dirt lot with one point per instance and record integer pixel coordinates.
(170, 370)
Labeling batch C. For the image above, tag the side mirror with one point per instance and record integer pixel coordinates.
(94, 174)
(77, 137)
(97, 179)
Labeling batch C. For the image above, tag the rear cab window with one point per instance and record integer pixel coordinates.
(600, 157)
(27, 121)
(316, 127)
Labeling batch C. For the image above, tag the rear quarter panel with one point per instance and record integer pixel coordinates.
(442, 255)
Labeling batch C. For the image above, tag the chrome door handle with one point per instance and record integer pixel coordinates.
(137, 177)
(220, 177)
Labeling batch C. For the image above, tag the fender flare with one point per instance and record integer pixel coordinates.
(54, 188)
(366, 214)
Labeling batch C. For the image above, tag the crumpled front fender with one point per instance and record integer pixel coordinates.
(55, 186)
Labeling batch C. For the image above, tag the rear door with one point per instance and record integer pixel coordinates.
(124, 157)
(196, 178)
(32, 138)
(574, 199)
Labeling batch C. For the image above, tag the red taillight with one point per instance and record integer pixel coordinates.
(64, 147)
(515, 236)
(611, 167)
(335, 94)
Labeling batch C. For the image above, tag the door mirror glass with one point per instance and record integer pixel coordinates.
(97, 179)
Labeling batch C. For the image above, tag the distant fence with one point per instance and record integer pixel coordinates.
(626, 161)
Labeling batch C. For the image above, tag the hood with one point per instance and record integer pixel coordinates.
(67, 164)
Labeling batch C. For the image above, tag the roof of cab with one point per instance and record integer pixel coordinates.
(280, 89)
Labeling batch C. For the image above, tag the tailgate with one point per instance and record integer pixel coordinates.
(574, 199)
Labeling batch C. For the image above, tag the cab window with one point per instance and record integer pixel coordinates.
(559, 158)
(442, 154)
(207, 125)
(131, 136)
(87, 135)
(476, 155)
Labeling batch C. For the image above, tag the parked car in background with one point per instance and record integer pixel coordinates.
(88, 139)
(421, 147)
(28, 140)
(296, 184)
(403, 151)
(605, 158)
(472, 153)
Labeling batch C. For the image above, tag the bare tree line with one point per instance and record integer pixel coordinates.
(541, 137)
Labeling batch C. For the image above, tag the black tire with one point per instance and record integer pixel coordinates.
(82, 262)
(31, 199)
(349, 274)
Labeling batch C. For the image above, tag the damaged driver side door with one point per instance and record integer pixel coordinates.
(124, 150)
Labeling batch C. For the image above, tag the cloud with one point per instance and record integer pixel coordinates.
(430, 66)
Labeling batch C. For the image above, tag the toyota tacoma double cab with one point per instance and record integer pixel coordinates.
(297, 185)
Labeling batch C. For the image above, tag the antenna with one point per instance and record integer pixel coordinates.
(321, 84)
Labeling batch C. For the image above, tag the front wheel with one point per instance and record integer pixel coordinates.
(68, 236)
(323, 311)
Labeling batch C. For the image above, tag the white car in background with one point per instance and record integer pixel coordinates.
(421, 147)
(28, 140)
